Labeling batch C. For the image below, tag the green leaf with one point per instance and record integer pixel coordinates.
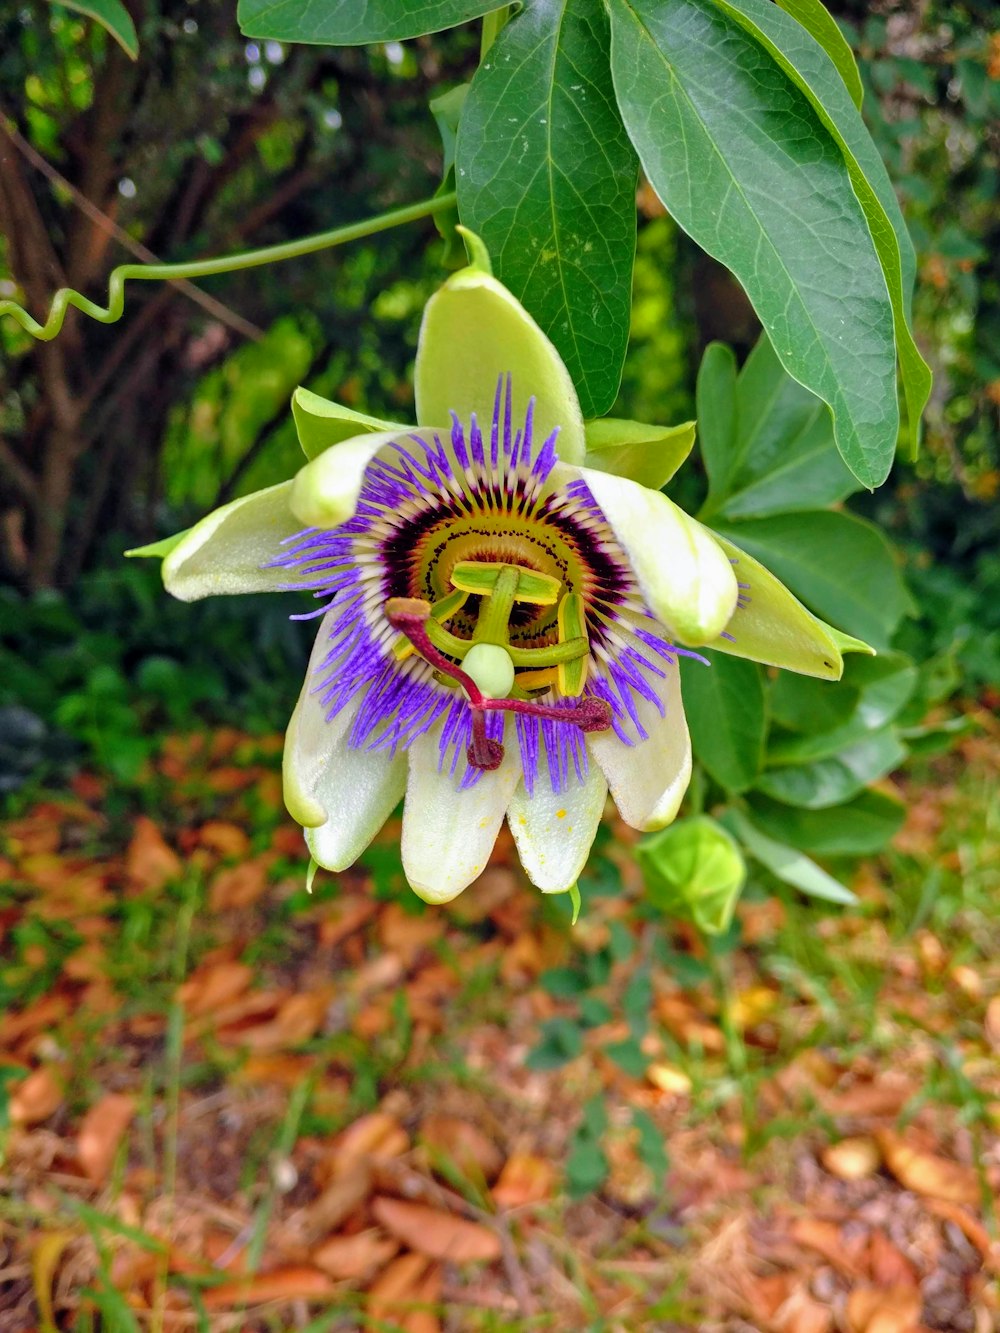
(628, 1056)
(784, 458)
(744, 164)
(716, 412)
(725, 709)
(649, 455)
(860, 827)
(810, 67)
(817, 20)
(651, 1147)
(321, 423)
(802, 704)
(838, 777)
(881, 687)
(693, 870)
(354, 22)
(790, 866)
(112, 15)
(547, 176)
(561, 1041)
(840, 566)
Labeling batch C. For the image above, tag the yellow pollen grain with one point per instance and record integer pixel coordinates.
(560, 814)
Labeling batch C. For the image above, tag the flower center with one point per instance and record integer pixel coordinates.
(493, 594)
(488, 662)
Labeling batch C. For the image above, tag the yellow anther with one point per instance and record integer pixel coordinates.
(532, 587)
(572, 620)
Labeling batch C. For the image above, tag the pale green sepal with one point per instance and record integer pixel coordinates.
(846, 643)
(774, 627)
(229, 550)
(574, 897)
(649, 455)
(311, 873)
(475, 248)
(320, 422)
(159, 549)
(682, 570)
(325, 491)
(474, 332)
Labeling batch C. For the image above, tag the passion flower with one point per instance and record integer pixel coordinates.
(503, 608)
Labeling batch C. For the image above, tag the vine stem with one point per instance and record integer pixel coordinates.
(205, 268)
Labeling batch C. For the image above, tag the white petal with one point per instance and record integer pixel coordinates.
(684, 574)
(343, 796)
(361, 788)
(554, 831)
(225, 552)
(325, 491)
(448, 832)
(648, 780)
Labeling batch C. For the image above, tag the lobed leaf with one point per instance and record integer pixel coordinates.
(783, 457)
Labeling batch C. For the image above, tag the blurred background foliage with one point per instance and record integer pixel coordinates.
(212, 144)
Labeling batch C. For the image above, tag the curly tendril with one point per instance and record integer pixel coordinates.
(66, 297)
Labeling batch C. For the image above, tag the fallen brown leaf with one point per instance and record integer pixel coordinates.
(802, 1313)
(150, 862)
(525, 1178)
(971, 1228)
(406, 934)
(437, 1234)
(924, 1173)
(884, 1310)
(462, 1142)
(226, 839)
(885, 1096)
(828, 1240)
(396, 1286)
(356, 1258)
(285, 1284)
(298, 1019)
(423, 1319)
(377, 1134)
(36, 1098)
(669, 1079)
(992, 1022)
(214, 986)
(100, 1133)
(887, 1264)
(852, 1159)
(238, 886)
(334, 1205)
